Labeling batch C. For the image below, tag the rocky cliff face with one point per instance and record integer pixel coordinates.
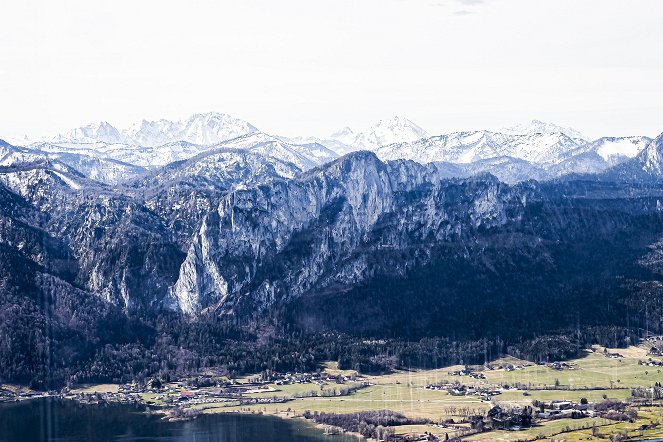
(360, 239)
(268, 245)
(120, 249)
(125, 243)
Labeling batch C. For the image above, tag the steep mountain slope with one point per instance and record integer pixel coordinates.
(105, 170)
(182, 192)
(201, 129)
(341, 246)
(253, 223)
(506, 169)
(126, 240)
(46, 322)
(615, 150)
(10, 155)
(537, 150)
(645, 167)
(599, 155)
(122, 250)
(91, 163)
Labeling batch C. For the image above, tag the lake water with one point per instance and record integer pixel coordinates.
(59, 420)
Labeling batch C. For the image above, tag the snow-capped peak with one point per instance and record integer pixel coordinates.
(101, 131)
(213, 127)
(542, 127)
(202, 129)
(345, 135)
(395, 130)
(384, 132)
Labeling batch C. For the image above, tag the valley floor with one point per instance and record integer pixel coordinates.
(446, 396)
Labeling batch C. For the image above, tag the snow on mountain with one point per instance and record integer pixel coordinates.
(615, 149)
(536, 126)
(153, 156)
(94, 159)
(537, 150)
(394, 130)
(112, 163)
(346, 140)
(42, 181)
(304, 156)
(10, 155)
(214, 127)
(345, 135)
(150, 144)
(506, 169)
(101, 131)
(645, 167)
(536, 142)
(467, 147)
(336, 146)
(540, 153)
(104, 170)
(181, 193)
(152, 133)
(18, 140)
(201, 129)
(219, 169)
(651, 158)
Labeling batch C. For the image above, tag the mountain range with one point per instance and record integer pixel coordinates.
(467, 235)
(202, 129)
(536, 150)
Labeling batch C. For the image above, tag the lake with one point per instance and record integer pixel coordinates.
(60, 420)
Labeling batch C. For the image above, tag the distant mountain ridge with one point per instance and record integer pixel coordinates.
(104, 153)
(388, 131)
(203, 129)
(538, 126)
(384, 132)
(535, 150)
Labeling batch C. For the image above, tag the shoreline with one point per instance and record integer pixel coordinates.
(442, 399)
(165, 412)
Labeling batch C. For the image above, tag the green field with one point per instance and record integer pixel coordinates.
(593, 377)
(591, 370)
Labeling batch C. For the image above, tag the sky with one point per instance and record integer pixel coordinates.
(310, 67)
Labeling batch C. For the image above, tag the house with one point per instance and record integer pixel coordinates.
(187, 395)
(561, 405)
(510, 419)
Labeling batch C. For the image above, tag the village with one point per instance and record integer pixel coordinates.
(604, 393)
(198, 390)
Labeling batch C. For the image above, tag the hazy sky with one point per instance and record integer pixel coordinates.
(310, 67)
